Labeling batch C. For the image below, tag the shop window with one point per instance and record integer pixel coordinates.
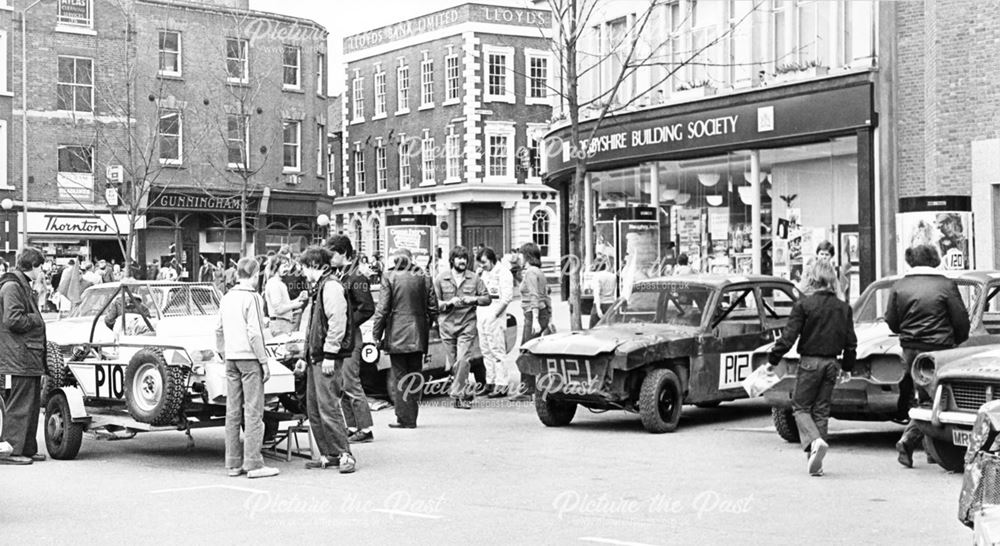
(170, 141)
(170, 53)
(77, 14)
(404, 164)
(540, 226)
(452, 78)
(237, 60)
(75, 87)
(76, 174)
(237, 140)
(381, 170)
(427, 82)
(291, 157)
(402, 89)
(291, 63)
(379, 92)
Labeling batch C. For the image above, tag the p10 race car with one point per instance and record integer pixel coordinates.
(673, 341)
(143, 380)
(872, 392)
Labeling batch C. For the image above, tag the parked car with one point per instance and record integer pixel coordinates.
(672, 341)
(872, 392)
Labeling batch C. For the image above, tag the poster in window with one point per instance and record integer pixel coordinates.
(947, 231)
(640, 244)
(413, 237)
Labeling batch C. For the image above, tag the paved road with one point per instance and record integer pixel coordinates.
(495, 475)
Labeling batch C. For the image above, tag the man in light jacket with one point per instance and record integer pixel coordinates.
(329, 341)
(240, 340)
(492, 321)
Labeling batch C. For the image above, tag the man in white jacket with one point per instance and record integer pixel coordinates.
(492, 321)
(240, 340)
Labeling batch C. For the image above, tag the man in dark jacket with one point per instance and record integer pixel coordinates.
(22, 357)
(361, 306)
(926, 309)
(406, 308)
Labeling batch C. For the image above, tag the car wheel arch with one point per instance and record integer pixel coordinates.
(680, 366)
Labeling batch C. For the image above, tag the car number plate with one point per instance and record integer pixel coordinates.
(574, 373)
(961, 437)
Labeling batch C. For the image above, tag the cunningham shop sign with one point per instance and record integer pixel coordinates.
(661, 133)
(82, 225)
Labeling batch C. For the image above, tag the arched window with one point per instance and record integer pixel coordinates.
(376, 235)
(358, 235)
(540, 230)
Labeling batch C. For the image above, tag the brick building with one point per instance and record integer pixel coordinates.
(199, 101)
(8, 231)
(442, 117)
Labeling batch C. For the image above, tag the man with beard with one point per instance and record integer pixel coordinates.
(459, 291)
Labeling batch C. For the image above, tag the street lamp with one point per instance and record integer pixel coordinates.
(323, 221)
(24, 121)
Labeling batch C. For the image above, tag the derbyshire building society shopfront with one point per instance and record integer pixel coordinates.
(796, 161)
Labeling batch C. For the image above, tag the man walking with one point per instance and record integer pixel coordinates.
(407, 306)
(328, 342)
(22, 357)
(360, 305)
(492, 321)
(240, 340)
(925, 308)
(459, 291)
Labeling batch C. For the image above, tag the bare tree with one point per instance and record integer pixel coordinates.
(631, 52)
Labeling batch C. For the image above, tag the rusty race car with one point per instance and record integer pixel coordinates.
(872, 393)
(672, 341)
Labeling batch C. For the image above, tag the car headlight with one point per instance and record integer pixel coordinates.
(924, 369)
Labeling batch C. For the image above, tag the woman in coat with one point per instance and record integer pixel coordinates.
(824, 327)
(406, 309)
(71, 285)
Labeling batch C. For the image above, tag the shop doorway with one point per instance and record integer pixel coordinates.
(107, 250)
(482, 223)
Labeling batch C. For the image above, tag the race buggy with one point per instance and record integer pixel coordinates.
(143, 380)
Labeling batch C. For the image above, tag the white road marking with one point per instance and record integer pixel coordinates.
(613, 541)
(402, 513)
(202, 487)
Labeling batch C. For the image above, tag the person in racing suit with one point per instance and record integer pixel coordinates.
(492, 323)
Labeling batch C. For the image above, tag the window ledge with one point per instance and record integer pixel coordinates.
(6, 7)
(357, 121)
(172, 163)
(402, 112)
(290, 89)
(291, 170)
(379, 116)
(427, 183)
(384, 190)
(537, 101)
(82, 31)
(452, 180)
(500, 180)
(451, 102)
(238, 82)
(499, 98)
(6, 93)
(428, 106)
(170, 75)
(7, 188)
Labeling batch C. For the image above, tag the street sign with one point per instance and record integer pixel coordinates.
(370, 353)
(114, 174)
(111, 196)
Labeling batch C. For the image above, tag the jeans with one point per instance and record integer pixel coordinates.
(407, 386)
(814, 384)
(493, 344)
(356, 411)
(593, 312)
(326, 416)
(459, 347)
(244, 406)
(544, 315)
(20, 426)
(912, 437)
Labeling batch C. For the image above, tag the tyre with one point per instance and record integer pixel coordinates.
(660, 401)
(154, 391)
(552, 412)
(949, 456)
(62, 436)
(58, 372)
(708, 405)
(784, 423)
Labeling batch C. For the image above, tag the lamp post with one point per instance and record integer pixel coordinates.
(24, 121)
(323, 221)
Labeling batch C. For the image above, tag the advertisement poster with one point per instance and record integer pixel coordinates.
(640, 244)
(948, 231)
(604, 241)
(718, 223)
(689, 231)
(413, 237)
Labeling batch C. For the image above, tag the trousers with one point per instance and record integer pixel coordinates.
(407, 386)
(458, 346)
(493, 344)
(544, 316)
(323, 407)
(814, 384)
(912, 437)
(244, 406)
(20, 426)
(357, 414)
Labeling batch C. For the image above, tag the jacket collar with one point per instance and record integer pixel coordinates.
(240, 286)
(923, 270)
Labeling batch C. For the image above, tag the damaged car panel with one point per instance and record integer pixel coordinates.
(672, 341)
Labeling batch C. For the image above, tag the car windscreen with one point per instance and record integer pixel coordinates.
(870, 307)
(678, 304)
(185, 300)
(92, 303)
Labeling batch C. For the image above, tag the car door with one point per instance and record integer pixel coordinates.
(776, 306)
(735, 330)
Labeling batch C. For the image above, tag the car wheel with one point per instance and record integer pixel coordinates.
(784, 423)
(62, 436)
(552, 412)
(709, 405)
(154, 391)
(58, 373)
(949, 456)
(660, 401)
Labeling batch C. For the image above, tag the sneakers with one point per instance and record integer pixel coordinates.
(235, 472)
(816, 453)
(361, 437)
(263, 472)
(323, 463)
(905, 454)
(38, 457)
(347, 463)
(5, 449)
(461, 403)
(16, 460)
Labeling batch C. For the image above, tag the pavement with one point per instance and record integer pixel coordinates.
(496, 475)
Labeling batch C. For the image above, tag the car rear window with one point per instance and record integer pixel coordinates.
(679, 304)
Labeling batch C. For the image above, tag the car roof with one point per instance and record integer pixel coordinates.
(132, 283)
(716, 280)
